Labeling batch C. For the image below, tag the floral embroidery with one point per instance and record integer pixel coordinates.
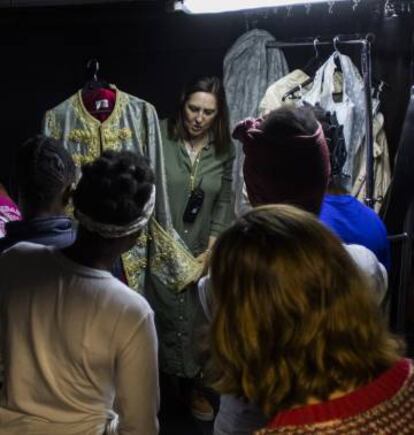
(79, 135)
(81, 159)
(134, 263)
(52, 126)
(169, 260)
(114, 137)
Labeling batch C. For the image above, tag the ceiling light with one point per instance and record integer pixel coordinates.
(215, 6)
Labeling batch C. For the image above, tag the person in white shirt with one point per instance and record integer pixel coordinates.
(79, 347)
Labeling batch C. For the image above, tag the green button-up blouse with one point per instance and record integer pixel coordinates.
(213, 174)
(179, 315)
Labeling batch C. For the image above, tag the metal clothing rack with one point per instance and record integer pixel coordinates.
(364, 42)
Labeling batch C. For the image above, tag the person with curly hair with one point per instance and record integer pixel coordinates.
(297, 331)
(79, 347)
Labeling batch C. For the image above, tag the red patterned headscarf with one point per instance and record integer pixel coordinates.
(289, 169)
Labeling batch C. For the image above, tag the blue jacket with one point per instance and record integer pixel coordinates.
(56, 231)
(354, 222)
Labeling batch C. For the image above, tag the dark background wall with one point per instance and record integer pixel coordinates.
(150, 53)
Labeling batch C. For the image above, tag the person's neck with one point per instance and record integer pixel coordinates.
(336, 190)
(88, 255)
(197, 142)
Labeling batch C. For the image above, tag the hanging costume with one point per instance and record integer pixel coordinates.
(132, 126)
(350, 111)
(273, 97)
(249, 69)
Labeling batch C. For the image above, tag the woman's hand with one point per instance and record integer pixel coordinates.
(204, 257)
(203, 260)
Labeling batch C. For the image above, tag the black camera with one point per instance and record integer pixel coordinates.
(195, 201)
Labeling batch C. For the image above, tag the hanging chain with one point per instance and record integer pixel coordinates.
(331, 4)
(308, 7)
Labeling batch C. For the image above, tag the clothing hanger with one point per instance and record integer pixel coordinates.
(310, 69)
(379, 87)
(315, 62)
(336, 53)
(97, 92)
(93, 82)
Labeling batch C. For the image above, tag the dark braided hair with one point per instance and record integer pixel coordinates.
(43, 169)
(114, 188)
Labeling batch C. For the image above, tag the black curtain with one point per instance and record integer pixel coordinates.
(150, 53)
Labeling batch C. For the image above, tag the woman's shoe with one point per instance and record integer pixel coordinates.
(201, 408)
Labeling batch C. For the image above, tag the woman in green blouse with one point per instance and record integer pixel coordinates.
(198, 157)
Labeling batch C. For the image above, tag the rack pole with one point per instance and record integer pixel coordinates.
(369, 139)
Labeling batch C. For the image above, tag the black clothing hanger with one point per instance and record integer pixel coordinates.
(310, 69)
(93, 82)
(315, 62)
(291, 93)
(336, 54)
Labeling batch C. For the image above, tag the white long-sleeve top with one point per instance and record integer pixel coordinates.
(73, 341)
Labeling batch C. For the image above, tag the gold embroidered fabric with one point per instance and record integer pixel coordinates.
(132, 126)
(166, 254)
(86, 137)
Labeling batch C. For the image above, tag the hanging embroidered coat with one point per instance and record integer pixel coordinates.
(132, 126)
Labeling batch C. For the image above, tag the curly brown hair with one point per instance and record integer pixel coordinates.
(294, 318)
